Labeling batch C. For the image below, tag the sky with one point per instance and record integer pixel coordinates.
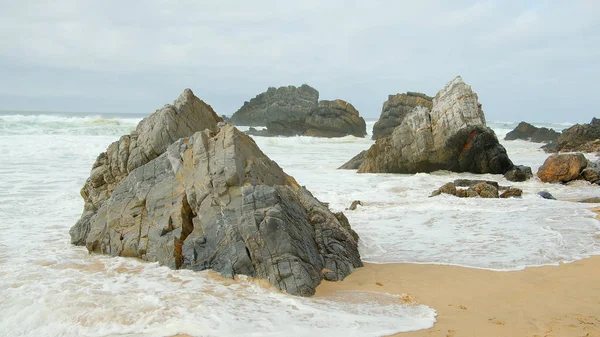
(537, 61)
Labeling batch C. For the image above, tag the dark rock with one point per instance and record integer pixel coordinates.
(519, 173)
(355, 162)
(395, 109)
(551, 147)
(526, 131)
(452, 136)
(512, 192)
(546, 195)
(580, 138)
(214, 200)
(225, 119)
(562, 167)
(283, 104)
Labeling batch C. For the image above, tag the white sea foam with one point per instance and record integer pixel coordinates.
(50, 288)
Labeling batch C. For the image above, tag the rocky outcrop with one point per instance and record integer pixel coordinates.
(566, 167)
(336, 118)
(395, 109)
(452, 136)
(578, 138)
(526, 131)
(283, 104)
(150, 139)
(214, 200)
(330, 119)
(477, 188)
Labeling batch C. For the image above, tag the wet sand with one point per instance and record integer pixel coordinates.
(545, 301)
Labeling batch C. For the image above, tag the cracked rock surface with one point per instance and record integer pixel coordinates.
(451, 136)
(214, 200)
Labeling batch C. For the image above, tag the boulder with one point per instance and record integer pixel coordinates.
(213, 200)
(526, 131)
(335, 118)
(518, 173)
(452, 136)
(183, 118)
(283, 103)
(562, 167)
(579, 138)
(395, 109)
(355, 162)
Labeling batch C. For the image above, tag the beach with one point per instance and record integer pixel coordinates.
(541, 301)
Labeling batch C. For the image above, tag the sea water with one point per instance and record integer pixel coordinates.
(50, 288)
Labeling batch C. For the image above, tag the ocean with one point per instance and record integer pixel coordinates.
(50, 288)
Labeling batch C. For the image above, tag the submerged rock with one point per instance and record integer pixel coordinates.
(214, 200)
(277, 104)
(452, 136)
(476, 188)
(526, 131)
(395, 109)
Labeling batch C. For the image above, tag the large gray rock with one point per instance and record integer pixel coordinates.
(283, 103)
(395, 109)
(452, 136)
(355, 162)
(150, 139)
(214, 200)
(330, 119)
(526, 131)
(336, 118)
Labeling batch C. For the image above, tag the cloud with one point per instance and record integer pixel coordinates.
(138, 55)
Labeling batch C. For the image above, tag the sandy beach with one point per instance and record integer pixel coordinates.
(549, 301)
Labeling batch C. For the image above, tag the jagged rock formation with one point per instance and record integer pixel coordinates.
(214, 200)
(578, 138)
(526, 131)
(150, 139)
(395, 109)
(330, 119)
(452, 136)
(283, 104)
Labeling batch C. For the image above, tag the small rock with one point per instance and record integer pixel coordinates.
(594, 200)
(512, 192)
(473, 182)
(546, 195)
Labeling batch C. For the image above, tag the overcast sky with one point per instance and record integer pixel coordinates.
(537, 61)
